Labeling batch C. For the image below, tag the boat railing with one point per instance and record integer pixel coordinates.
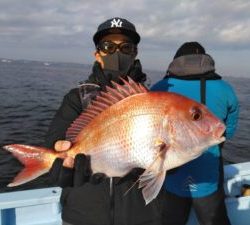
(31, 207)
(42, 207)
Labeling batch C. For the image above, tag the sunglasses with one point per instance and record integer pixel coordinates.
(109, 47)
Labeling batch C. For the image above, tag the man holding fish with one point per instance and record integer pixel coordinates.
(96, 199)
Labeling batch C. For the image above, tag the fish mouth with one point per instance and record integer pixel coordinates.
(219, 131)
(221, 139)
(217, 141)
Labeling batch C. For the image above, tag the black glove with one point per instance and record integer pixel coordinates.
(75, 177)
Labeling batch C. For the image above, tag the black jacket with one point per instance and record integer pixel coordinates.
(93, 204)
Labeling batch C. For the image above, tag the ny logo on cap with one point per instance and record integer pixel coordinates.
(116, 23)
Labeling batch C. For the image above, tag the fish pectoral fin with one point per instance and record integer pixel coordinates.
(152, 179)
(161, 145)
(158, 163)
(151, 184)
(28, 174)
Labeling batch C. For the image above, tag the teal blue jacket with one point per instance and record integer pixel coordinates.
(200, 177)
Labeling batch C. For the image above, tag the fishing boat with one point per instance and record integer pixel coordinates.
(42, 207)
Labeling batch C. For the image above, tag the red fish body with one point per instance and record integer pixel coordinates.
(129, 127)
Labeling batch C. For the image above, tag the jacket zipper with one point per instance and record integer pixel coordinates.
(112, 201)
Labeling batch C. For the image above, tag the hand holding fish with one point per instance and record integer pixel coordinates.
(71, 172)
(61, 146)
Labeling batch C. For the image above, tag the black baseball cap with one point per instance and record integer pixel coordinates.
(116, 25)
(190, 48)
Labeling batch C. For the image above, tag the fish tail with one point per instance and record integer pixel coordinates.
(36, 160)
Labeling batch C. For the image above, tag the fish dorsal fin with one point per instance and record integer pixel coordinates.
(103, 101)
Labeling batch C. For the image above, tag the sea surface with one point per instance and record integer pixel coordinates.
(31, 92)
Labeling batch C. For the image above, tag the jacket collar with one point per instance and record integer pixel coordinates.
(191, 65)
(98, 77)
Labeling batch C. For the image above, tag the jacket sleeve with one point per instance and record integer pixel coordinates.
(161, 85)
(69, 110)
(233, 113)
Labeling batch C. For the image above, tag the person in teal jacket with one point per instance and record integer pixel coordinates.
(199, 183)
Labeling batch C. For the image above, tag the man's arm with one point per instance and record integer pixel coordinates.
(69, 110)
(233, 113)
(68, 172)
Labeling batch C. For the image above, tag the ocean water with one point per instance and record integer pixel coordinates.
(31, 92)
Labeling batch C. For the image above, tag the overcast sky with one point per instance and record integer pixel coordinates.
(62, 30)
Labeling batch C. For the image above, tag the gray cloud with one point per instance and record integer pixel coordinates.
(219, 23)
(62, 24)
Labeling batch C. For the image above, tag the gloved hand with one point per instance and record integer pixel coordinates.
(72, 173)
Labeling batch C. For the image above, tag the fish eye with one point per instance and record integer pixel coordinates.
(196, 114)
